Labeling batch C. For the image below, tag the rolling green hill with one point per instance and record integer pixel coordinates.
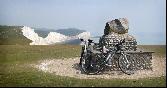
(12, 35)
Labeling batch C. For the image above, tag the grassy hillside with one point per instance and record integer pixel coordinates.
(12, 35)
(15, 70)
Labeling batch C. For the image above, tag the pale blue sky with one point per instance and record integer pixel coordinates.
(147, 18)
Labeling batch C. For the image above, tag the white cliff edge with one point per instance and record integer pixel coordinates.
(52, 38)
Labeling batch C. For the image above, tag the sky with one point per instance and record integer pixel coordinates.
(147, 18)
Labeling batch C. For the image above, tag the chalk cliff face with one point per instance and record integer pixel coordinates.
(52, 38)
(30, 34)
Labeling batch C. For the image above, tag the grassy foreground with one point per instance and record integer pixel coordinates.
(14, 69)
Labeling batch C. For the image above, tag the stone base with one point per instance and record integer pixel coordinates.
(142, 60)
(112, 39)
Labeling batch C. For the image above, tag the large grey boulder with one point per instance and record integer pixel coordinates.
(119, 26)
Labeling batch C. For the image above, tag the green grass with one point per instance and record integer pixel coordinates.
(15, 72)
(26, 53)
(30, 77)
(160, 50)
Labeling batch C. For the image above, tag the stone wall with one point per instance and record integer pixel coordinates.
(141, 61)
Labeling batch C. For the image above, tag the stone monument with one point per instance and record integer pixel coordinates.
(115, 31)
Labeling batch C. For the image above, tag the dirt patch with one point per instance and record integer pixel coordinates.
(69, 67)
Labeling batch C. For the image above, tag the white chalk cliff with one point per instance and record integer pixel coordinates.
(52, 38)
